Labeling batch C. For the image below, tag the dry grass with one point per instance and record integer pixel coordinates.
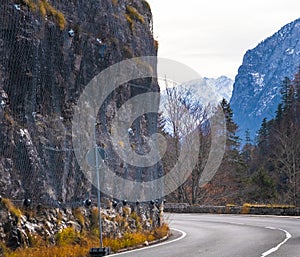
(115, 2)
(46, 9)
(37, 241)
(130, 22)
(136, 239)
(161, 231)
(31, 4)
(281, 206)
(9, 118)
(135, 216)
(53, 251)
(128, 240)
(79, 217)
(94, 219)
(132, 15)
(4, 250)
(246, 207)
(42, 8)
(72, 244)
(156, 45)
(16, 212)
(67, 236)
(230, 205)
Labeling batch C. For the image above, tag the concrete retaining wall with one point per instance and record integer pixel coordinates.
(182, 208)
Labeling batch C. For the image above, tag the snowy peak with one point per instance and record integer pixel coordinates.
(206, 90)
(210, 90)
(223, 86)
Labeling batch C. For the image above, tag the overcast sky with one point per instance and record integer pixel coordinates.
(212, 36)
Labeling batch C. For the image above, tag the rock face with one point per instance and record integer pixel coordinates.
(21, 228)
(256, 91)
(50, 50)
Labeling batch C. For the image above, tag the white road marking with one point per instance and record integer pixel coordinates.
(274, 249)
(156, 245)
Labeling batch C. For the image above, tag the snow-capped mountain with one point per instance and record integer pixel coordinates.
(256, 91)
(206, 90)
(223, 86)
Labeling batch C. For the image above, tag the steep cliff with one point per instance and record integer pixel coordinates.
(50, 50)
(256, 91)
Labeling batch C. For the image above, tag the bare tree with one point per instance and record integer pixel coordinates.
(286, 157)
(184, 115)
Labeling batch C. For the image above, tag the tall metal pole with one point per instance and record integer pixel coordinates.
(98, 187)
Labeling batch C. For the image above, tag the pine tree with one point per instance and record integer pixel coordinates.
(247, 151)
(279, 113)
(265, 186)
(262, 137)
(232, 142)
(286, 83)
(228, 180)
(278, 143)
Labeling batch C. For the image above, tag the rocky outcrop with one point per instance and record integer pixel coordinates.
(256, 91)
(50, 50)
(31, 226)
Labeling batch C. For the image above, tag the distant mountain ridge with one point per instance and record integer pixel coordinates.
(205, 90)
(256, 90)
(223, 85)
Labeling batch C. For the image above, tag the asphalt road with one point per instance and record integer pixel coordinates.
(227, 236)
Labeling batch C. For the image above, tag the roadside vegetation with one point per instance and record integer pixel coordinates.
(73, 244)
(71, 241)
(265, 171)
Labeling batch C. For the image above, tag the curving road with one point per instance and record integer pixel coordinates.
(227, 236)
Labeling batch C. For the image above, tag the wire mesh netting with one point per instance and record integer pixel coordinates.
(47, 58)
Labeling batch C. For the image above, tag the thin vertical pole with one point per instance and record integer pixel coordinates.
(98, 187)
